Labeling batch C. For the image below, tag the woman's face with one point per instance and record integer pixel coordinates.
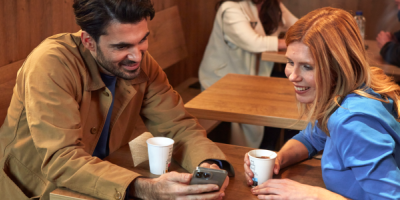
(300, 71)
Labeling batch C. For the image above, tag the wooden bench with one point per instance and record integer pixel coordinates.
(167, 46)
(8, 74)
(188, 93)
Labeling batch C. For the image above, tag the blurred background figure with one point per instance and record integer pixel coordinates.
(389, 43)
(243, 29)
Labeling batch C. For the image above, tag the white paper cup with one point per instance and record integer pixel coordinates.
(160, 153)
(262, 168)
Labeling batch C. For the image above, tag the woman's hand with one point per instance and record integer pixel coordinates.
(247, 171)
(249, 174)
(281, 45)
(383, 38)
(289, 189)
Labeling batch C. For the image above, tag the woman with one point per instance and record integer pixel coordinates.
(242, 30)
(353, 108)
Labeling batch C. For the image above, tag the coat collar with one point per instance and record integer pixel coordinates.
(94, 81)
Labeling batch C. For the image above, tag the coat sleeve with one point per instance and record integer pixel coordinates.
(164, 115)
(390, 52)
(287, 16)
(237, 30)
(49, 90)
(368, 149)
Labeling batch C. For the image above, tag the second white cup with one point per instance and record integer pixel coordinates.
(160, 153)
(262, 165)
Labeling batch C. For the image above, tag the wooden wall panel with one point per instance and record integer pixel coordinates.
(25, 23)
(197, 21)
(380, 15)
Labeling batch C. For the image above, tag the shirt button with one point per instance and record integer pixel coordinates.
(106, 93)
(93, 130)
(118, 195)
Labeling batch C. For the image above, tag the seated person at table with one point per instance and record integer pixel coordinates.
(80, 96)
(352, 108)
(242, 30)
(389, 43)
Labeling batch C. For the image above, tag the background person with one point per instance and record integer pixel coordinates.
(389, 43)
(79, 97)
(242, 30)
(353, 111)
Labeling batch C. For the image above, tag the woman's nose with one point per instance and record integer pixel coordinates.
(294, 75)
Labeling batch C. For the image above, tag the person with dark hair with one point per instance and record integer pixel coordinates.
(81, 96)
(389, 43)
(353, 111)
(242, 30)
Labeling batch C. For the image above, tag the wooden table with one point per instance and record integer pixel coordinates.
(373, 56)
(308, 172)
(257, 100)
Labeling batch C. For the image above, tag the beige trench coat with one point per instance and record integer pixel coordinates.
(237, 37)
(56, 116)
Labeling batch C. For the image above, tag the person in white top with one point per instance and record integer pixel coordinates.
(243, 29)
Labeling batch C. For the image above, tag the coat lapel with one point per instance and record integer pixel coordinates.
(251, 12)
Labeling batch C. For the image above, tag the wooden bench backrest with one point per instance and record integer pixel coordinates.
(166, 40)
(166, 45)
(8, 74)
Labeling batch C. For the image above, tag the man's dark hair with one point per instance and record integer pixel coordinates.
(93, 16)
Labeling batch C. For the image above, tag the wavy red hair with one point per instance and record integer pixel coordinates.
(340, 60)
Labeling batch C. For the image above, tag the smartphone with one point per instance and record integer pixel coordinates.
(203, 175)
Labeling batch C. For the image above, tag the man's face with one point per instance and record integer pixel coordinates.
(121, 50)
(300, 71)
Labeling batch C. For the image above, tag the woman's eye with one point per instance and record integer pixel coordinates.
(308, 67)
(290, 63)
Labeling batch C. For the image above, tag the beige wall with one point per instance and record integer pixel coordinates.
(25, 23)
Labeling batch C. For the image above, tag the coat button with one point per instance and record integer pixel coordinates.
(106, 93)
(117, 195)
(93, 130)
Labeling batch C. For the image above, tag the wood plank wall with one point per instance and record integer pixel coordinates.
(380, 15)
(25, 23)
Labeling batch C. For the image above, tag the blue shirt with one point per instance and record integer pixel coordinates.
(102, 150)
(362, 154)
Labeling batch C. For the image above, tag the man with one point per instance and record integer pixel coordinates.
(389, 43)
(79, 97)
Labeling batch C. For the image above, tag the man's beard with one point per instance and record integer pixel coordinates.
(116, 70)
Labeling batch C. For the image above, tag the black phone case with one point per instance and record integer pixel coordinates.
(217, 176)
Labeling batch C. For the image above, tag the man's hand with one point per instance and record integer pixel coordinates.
(173, 185)
(383, 38)
(214, 166)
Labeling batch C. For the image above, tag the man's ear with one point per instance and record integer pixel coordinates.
(87, 41)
